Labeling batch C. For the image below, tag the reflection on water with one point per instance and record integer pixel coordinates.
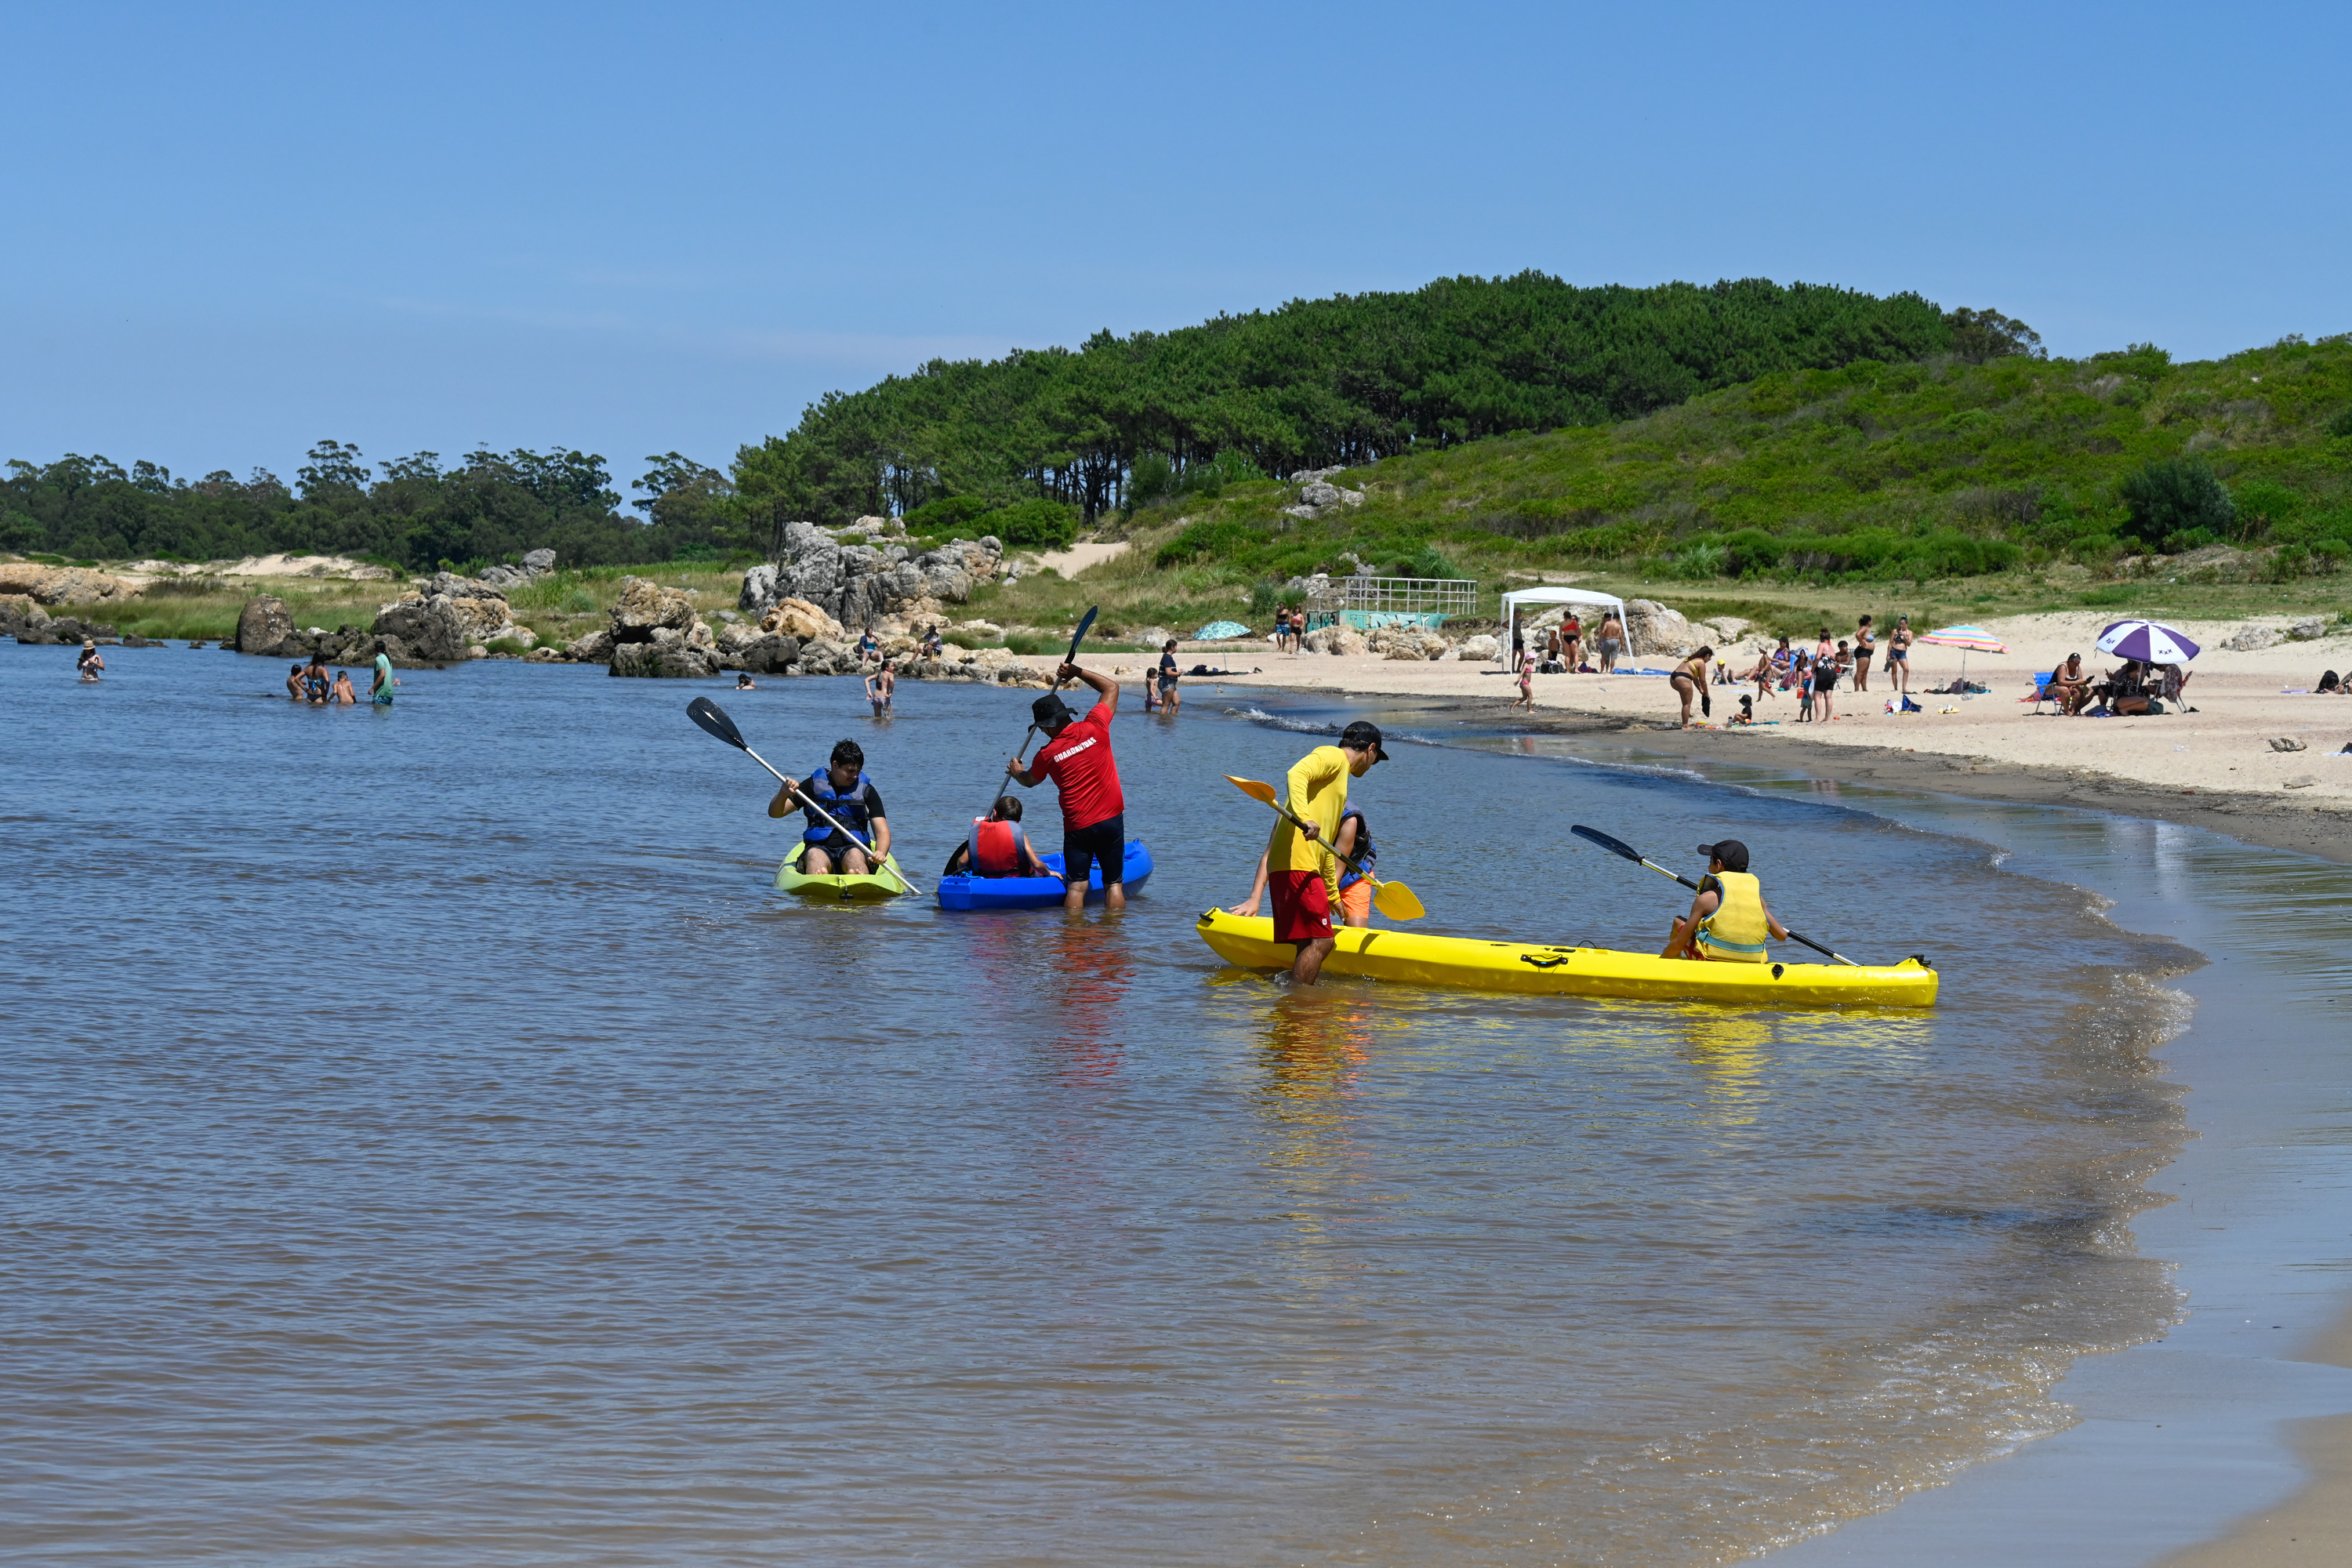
(483, 1164)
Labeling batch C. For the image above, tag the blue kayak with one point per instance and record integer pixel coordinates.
(1036, 892)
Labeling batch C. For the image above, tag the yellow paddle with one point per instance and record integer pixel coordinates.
(1393, 900)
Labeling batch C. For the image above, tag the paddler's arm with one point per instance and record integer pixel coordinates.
(1105, 687)
(1247, 909)
(1780, 932)
(787, 800)
(879, 827)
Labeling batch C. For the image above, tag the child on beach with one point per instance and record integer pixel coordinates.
(1802, 671)
(1527, 683)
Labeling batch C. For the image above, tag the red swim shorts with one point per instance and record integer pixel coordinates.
(1302, 906)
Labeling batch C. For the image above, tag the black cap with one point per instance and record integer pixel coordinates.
(1731, 852)
(1360, 734)
(1050, 710)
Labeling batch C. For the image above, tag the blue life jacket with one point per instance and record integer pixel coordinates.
(848, 807)
(1367, 853)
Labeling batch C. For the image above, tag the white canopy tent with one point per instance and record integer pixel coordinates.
(1517, 596)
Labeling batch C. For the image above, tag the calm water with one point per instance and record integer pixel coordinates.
(428, 1139)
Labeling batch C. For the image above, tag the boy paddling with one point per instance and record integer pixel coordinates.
(843, 790)
(1728, 921)
(1076, 757)
(1302, 873)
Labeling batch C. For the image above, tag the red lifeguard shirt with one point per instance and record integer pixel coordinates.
(1079, 762)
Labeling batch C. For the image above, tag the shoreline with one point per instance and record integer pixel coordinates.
(2223, 1443)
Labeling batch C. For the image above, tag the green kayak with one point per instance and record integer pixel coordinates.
(872, 887)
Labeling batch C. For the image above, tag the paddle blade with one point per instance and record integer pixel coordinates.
(1080, 635)
(1254, 790)
(1614, 846)
(713, 719)
(1395, 900)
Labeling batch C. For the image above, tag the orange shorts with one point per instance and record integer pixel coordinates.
(1356, 903)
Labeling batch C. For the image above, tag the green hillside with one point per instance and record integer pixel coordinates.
(1870, 472)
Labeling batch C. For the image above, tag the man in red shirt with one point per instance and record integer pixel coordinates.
(1076, 757)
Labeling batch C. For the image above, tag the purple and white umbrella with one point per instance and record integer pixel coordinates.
(2147, 642)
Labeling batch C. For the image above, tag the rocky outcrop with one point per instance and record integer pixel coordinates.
(444, 618)
(1651, 628)
(1486, 645)
(858, 584)
(2253, 637)
(1407, 642)
(799, 618)
(537, 564)
(23, 618)
(655, 632)
(1343, 641)
(264, 625)
(1317, 495)
(63, 584)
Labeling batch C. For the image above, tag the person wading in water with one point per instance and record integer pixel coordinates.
(1076, 757)
(1727, 921)
(1303, 873)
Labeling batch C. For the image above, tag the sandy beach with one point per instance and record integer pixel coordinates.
(2211, 767)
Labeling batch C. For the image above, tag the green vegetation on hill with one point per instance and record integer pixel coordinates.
(1352, 379)
(1871, 471)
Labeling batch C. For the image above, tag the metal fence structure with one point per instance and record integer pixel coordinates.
(1364, 603)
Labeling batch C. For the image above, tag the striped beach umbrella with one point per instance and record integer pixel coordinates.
(1968, 640)
(2147, 642)
(1973, 639)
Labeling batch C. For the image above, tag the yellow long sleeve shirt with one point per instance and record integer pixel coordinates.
(1317, 793)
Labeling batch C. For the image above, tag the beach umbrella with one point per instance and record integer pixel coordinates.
(1968, 640)
(2147, 642)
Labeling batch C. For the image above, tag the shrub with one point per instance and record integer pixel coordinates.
(2342, 424)
(1206, 540)
(1151, 477)
(509, 646)
(1429, 561)
(1039, 523)
(2264, 505)
(2174, 495)
(946, 513)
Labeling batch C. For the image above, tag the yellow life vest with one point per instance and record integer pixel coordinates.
(1736, 930)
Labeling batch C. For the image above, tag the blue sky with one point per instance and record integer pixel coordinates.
(239, 228)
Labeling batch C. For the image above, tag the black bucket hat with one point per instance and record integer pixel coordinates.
(1050, 711)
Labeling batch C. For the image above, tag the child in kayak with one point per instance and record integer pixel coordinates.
(996, 845)
(841, 789)
(1728, 921)
(1076, 757)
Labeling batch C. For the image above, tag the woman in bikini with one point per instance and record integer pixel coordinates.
(1865, 645)
(1898, 655)
(1689, 681)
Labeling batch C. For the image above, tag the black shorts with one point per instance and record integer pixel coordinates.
(836, 845)
(1105, 841)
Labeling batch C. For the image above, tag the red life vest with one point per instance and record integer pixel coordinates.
(995, 848)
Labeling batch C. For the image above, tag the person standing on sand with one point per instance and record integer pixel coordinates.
(1302, 873)
(1076, 757)
(380, 689)
(1613, 638)
(1826, 679)
(1689, 681)
(1571, 641)
(1865, 647)
(1898, 655)
(1527, 683)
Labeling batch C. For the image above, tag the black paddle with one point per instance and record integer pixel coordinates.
(713, 720)
(1619, 847)
(1071, 657)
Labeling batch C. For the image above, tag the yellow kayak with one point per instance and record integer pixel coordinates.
(1472, 966)
(871, 888)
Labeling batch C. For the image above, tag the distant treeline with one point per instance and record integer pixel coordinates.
(1319, 382)
(413, 513)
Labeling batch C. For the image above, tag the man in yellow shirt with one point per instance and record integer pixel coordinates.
(1303, 874)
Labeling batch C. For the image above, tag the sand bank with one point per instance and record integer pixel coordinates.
(2213, 767)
